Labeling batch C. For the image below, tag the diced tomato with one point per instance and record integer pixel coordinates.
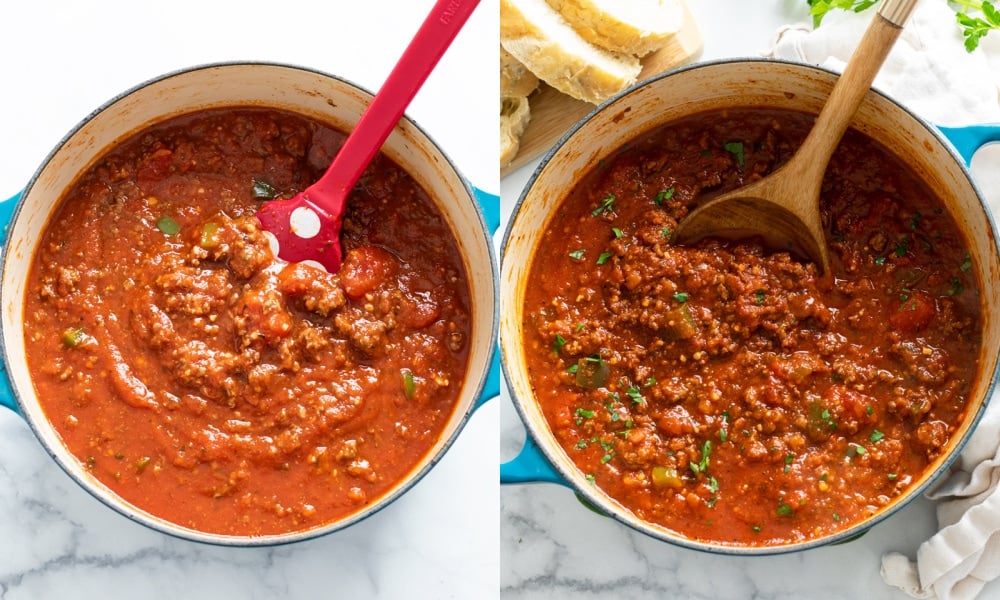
(365, 268)
(916, 310)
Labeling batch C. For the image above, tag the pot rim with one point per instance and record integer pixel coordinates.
(601, 502)
(135, 514)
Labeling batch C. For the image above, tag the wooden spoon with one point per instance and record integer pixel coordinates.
(307, 226)
(783, 207)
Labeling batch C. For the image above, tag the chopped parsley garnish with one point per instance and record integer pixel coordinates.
(617, 233)
(606, 205)
(582, 414)
(789, 459)
(736, 149)
(604, 257)
(966, 265)
(576, 254)
(902, 247)
(681, 297)
(557, 346)
(663, 196)
(955, 286)
(262, 190)
(783, 510)
(702, 465)
(635, 395)
(761, 295)
(876, 436)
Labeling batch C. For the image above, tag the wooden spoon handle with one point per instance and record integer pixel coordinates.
(854, 83)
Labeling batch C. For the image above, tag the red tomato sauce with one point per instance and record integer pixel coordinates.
(214, 386)
(729, 393)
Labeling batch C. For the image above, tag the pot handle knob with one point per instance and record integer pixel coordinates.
(490, 205)
(6, 392)
(530, 466)
(967, 140)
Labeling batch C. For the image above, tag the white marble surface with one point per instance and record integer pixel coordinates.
(59, 60)
(553, 548)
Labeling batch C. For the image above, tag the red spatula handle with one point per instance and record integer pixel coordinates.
(418, 60)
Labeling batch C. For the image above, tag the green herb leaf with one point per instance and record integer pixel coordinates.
(681, 297)
(577, 254)
(966, 265)
(607, 205)
(604, 257)
(975, 28)
(820, 8)
(876, 436)
(617, 233)
(702, 465)
(557, 346)
(635, 395)
(736, 149)
(262, 190)
(663, 196)
(582, 414)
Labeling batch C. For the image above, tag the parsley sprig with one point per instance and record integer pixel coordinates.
(975, 18)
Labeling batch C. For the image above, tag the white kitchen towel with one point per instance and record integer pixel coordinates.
(930, 72)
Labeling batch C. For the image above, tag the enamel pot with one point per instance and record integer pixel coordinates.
(939, 161)
(299, 90)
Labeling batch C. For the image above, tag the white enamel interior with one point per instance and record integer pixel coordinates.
(714, 86)
(307, 92)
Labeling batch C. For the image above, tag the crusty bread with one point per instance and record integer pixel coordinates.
(514, 116)
(515, 78)
(541, 39)
(630, 26)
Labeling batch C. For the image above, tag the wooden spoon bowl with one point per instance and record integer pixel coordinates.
(783, 208)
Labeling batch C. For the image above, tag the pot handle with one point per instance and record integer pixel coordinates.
(967, 140)
(490, 204)
(6, 392)
(530, 466)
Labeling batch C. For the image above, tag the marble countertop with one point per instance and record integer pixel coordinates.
(60, 60)
(552, 547)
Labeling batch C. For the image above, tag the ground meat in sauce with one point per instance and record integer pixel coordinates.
(208, 383)
(732, 394)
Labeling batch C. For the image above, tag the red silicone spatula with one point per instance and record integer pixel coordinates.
(307, 227)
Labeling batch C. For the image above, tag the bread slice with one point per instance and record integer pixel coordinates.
(541, 39)
(515, 78)
(515, 112)
(629, 26)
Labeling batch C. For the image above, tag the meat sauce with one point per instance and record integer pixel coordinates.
(732, 394)
(215, 386)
